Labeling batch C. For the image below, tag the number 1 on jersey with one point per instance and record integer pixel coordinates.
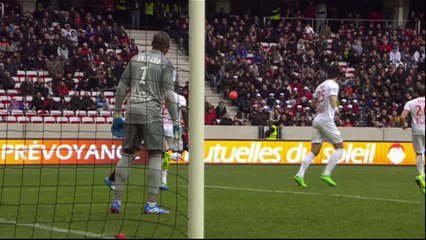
(144, 69)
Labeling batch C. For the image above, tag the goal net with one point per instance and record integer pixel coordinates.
(54, 159)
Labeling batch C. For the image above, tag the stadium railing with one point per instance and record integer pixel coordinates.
(357, 22)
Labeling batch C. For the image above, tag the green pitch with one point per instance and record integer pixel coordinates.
(240, 202)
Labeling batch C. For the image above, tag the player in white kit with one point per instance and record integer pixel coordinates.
(325, 103)
(173, 148)
(416, 108)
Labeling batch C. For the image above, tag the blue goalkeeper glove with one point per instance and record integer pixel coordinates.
(117, 127)
(177, 130)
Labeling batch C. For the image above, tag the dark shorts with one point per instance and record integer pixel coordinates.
(152, 134)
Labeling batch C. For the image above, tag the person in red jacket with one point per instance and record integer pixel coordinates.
(48, 103)
(385, 46)
(210, 116)
(62, 89)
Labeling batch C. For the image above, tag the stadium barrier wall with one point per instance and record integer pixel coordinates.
(93, 144)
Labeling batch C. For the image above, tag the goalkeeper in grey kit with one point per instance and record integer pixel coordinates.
(149, 75)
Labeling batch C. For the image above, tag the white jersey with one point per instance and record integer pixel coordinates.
(416, 107)
(325, 112)
(167, 119)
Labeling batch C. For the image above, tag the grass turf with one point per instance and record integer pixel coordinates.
(240, 202)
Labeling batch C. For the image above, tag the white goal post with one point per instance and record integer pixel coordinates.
(196, 118)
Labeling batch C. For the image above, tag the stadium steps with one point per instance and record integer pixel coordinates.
(181, 61)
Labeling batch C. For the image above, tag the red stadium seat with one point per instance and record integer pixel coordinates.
(49, 119)
(87, 120)
(17, 113)
(23, 119)
(100, 120)
(43, 113)
(36, 119)
(68, 113)
(62, 120)
(10, 119)
(75, 120)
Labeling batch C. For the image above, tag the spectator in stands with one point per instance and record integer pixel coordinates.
(83, 84)
(76, 102)
(226, 120)
(102, 103)
(63, 51)
(68, 68)
(62, 104)
(87, 102)
(210, 116)
(321, 15)
(62, 89)
(25, 105)
(39, 63)
(54, 66)
(37, 101)
(48, 103)
(220, 110)
(69, 81)
(258, 116)
(6, 81)
(310, 10)
(11, 67)
(39, 86)
(419, 55)
(136, 6)
(14, 105)
(27, 87)
(395, 56)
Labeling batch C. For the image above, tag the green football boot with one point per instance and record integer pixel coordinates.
(300, 181)
(328, 180)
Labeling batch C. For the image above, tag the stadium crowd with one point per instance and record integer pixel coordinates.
(274, 66)
(276, 81)
(62, 43)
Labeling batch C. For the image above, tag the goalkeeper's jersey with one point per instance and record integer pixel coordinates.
(149, 75)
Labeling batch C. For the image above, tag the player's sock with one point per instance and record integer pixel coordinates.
(419, 164)
(121, 174)
(305, 164)
(333, 161)
(112, 176)
(164, 177)
(154, 176)
(166, 164)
